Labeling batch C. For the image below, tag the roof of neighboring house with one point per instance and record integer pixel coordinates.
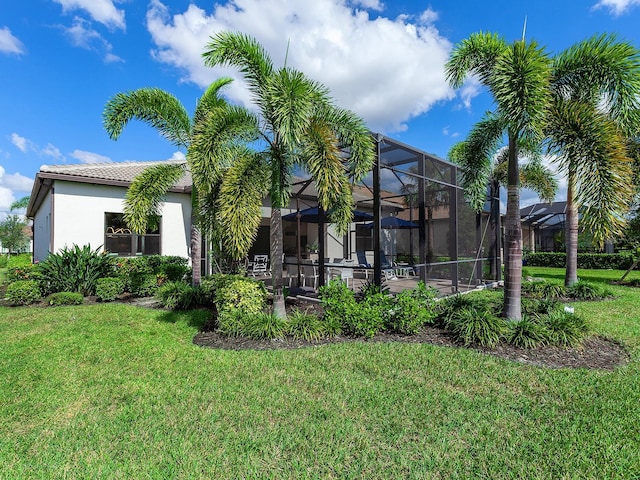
(119, 174)
(543, 213)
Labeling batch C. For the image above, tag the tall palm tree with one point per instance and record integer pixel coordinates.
(517, 75)
(596, 106)
(299, 127)
(164, 112)
(483, 162)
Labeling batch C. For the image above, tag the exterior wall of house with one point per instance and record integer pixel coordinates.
(42, 230)
(79, 214)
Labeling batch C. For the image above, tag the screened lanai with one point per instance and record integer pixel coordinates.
(421, 227)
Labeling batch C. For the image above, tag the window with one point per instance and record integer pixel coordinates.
(118, 238)
(364, 238)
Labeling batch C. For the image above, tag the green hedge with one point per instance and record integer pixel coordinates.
(599, 261)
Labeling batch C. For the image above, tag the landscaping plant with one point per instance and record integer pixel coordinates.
(23, 292)
(65, 298)
(108, 288)
(74, 269)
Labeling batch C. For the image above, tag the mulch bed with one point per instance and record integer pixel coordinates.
(595, 353)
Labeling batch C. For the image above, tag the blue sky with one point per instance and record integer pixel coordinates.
(61, 60)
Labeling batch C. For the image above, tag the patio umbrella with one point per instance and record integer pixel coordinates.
(312, 215)
(394, 222)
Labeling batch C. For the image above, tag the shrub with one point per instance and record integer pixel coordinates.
(176, 295)
(365, 318)
(74, 269)
(144, 285)
(566, 329)
(449, 306)
(543, 289)
(108, 288)
(130, 270)
(411, 311)
(537, 307)
(588, 291)
(173, 272)
(616, 261)
(3, 261)
(65, 298)
(307, 326)
(236, 292)
(527, 333)
(233, 322)
(470, 325)
(25, 272)
(23, 292)
(265, 326)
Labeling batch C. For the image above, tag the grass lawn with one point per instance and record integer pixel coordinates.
(116, 391)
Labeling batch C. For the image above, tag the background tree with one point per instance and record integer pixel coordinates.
(12, 233)
(21, 204)
(596, 106)
(300, 127)
(164, 112)
(517, 75)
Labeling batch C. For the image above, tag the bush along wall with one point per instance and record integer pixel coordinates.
(599, 261)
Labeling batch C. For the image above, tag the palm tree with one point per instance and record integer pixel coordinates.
(164, 112)
(517, 76)
(481, 150)
(596, 106)
(299, 127)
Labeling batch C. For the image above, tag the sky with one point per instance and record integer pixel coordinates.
(62, 60)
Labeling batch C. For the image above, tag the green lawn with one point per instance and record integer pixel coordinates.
(115, 391)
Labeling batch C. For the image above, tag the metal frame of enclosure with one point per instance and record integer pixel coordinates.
(435, 235)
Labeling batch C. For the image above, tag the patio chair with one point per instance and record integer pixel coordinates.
(310, 272)
(260, 266)
(292, 270)
(363, 263)
(346, 273)
(387, 266)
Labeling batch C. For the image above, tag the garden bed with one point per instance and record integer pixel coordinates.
(595, 353)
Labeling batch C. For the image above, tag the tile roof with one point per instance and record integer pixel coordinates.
(118, 172)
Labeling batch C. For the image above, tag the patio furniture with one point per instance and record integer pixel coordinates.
(293, 270)
(260, 266)
(310, 272)
(363, 264)
(387, 266)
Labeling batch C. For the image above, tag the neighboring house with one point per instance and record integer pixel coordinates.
(83, 204)
(543, 226)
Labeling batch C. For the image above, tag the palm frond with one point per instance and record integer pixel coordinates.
(520, 85)
(241, 51)
(145, 195)
(211, 98)
(153, 106)
(590, 149)
(239, 202)
(475, 55)
(535, 176)
(475, 158)
(603, 71)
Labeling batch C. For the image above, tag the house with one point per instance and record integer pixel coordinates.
(543, 226)
(418, 211)
(83, 204)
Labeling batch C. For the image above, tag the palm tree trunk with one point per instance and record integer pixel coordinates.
(276, 262)
(513, 238)
(571, 234)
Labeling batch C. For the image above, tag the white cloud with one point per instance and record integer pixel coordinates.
(53, 152)
(84, 36)
(616, 7)
(469, 90)
(178, 156)
(20, 142)
(9, 43)
(103, 11)
(371, 4)
(89, 157)
(387, 71)
(9, 184)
